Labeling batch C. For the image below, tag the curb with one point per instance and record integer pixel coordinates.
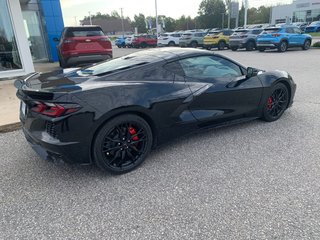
(10, 127)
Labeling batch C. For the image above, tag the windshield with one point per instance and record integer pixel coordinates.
(240, 32)
(315, 23)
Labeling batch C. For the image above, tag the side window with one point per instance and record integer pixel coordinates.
(256, 32)
(289, 30)
(176, 69)
(210, 67)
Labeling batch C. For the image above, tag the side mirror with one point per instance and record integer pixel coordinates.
(250, 72)
(56, 39)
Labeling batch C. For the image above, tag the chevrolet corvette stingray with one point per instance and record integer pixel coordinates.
(114, 112)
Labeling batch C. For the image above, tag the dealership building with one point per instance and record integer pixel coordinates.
(27, 32)
(298, 11)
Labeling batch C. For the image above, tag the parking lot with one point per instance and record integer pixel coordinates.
(255, 180)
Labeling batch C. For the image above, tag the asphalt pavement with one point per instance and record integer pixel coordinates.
(255, 180)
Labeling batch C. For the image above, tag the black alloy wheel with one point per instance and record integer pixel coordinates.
(250, 46)
(276, 103)
(306, 45)
(221, 45)
(171, 44)
(194, 44)
(122, 144)
(283, 46)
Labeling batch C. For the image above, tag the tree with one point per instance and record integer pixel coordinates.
(210, 13)
(140, 23)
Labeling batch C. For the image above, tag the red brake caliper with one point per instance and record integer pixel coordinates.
(270, 101)
(133, 131)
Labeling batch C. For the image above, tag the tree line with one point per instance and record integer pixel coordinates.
(211, 14)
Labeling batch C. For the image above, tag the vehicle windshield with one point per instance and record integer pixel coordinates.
(315, 23)
(164, 35)
(84, 32)
(272, 30)
(111, 66)
(214, 33)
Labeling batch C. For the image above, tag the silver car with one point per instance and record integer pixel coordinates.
(244, 38)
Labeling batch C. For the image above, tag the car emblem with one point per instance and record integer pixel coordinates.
(88, 40)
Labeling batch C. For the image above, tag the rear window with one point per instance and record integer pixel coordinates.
(272, 30)
(84, 32)
(111, 66)
(213, 33)
(241, 31)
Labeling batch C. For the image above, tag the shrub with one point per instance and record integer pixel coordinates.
(317, 44)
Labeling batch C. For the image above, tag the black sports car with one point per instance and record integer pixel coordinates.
(113, 113)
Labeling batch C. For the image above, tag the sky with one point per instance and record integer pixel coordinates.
(75, 10)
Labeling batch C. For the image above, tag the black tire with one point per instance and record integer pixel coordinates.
(119, 46)
(143, 45)
(221, 45)
(261, 49)
(122, 144)
(171, 44)
(208, 47)
(306, 45)
(194, 44)
(283, 46)
(250, 46)
(123, 45)
(62, 63)
(276, 103)
(234, 48)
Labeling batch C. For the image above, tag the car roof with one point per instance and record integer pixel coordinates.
(166, 53)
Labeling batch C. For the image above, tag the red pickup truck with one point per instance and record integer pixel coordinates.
(144, 41)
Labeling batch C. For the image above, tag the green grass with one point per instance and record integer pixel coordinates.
(317, 45)
(315, 34)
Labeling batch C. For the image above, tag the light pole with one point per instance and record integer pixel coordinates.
(156, 5)
(245, 14)
(90, 18)
(222, 24)
(122, 22)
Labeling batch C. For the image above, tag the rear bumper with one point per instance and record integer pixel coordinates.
(92, 58)
(51, 149)
(237, 44)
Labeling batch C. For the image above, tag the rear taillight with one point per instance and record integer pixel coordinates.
(276, 35)
(53, 109)
(104, 39)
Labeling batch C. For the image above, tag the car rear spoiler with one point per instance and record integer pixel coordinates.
(24, 91)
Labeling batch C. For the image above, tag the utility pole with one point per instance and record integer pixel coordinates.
(156, 5)
(122, 22)
(75, 20)
(245, 13)
(90, 18)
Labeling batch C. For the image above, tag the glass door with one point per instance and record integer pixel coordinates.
(9, 53)
(35, 36)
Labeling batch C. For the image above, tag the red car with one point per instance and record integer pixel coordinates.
(83, 45)
(144, 41)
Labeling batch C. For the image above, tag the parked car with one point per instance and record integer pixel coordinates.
(83, 45)
(128, 41)
(191, 39)
(113, 113)
(169, 39)
(121, 42)
(219, 39)
(244, 38)
(282, 38)
(313, 27)
(301, 25)
(143, 41)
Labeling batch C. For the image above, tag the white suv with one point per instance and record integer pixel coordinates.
(128, 41)
(169, 39)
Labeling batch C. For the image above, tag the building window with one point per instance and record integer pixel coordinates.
(9, 54)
